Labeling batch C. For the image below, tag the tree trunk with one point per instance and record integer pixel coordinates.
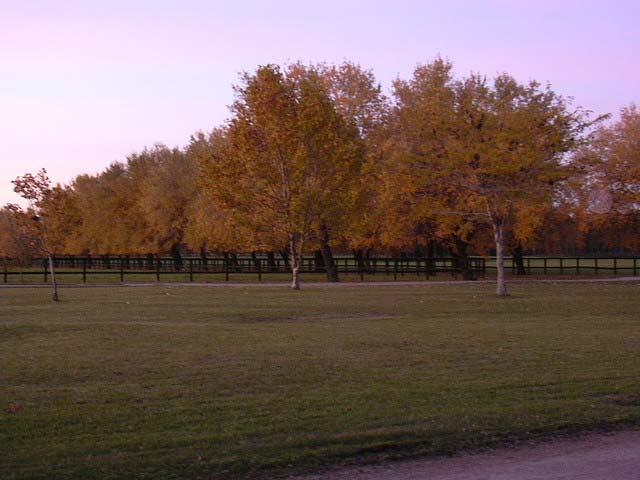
(271, 261)
(177, 256)
(462, 259)
(295, 259)
(256, 261)
(203, 256)
(359, 256)
(54, 283)
(285, 256)
(518, 258)
(498, 234)
(327, 256)
(150, 261)
(367, 260)
(234, 262)
(430, 257)
(318, 261)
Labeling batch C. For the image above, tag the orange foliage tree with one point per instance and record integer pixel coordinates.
(288, 162)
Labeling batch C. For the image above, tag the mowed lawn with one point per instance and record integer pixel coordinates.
(163, 383)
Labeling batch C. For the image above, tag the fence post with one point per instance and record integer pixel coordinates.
(577, 265)
(44, 265)
(544, 265)
(395, 269)
(6, 270)
(157, 269)
(84, 271)
(191, 269)
(635, 268)
(259, 269)
(226, 269)
(121, 270)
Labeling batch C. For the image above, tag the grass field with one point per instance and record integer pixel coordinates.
(164, 383)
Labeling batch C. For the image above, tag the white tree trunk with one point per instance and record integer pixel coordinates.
(296, 255)
(498, 234)
(54, 284)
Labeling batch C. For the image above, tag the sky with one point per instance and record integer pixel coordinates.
(86, 83)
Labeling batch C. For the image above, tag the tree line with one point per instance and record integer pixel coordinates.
(315, 158)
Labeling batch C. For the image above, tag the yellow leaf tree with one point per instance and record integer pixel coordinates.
(487, 151)
(288, 162)
(50, 218)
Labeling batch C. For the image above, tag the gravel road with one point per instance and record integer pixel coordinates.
(587, 457)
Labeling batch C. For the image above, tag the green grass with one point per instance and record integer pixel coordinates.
(163, 383)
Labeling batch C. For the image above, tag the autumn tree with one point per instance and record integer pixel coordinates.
(48, 218)
(609, 166)
(420, 203)
(112, 220)
(165, 180)
(16, 241)
(617, 159)
(486, 152)
(606, 192)
(210, 226)
(359, 100)
(288, 162)
(513, 154)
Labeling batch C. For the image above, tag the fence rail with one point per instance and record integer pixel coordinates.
(190, 267)
(195, 268)
(572, 265)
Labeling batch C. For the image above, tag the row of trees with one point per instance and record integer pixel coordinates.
(315, 157)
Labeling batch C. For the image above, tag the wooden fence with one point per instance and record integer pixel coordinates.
(121, 268)
(572, 265)
(193, 268)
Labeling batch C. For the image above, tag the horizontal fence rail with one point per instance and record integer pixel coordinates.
(191, 268)
(571, 265)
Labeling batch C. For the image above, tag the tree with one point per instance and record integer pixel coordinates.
(47, 217)
(359, 100)
(15, 238)
(485, 152)
(420, 202)
(165, 180)
(210, 226)
(605, 192)
(288, 162)
(610, 166)
(512, 157)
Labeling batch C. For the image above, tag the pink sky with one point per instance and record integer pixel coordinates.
(83, 84)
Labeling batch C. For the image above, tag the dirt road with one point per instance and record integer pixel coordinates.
(588, 457)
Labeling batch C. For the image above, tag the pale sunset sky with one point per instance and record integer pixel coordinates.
(85, 83)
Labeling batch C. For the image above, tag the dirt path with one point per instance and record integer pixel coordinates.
(588, 457)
